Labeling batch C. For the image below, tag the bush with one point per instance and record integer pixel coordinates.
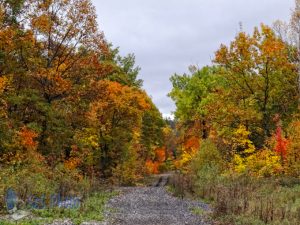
(34, 180)
(202, 174)
(206, 167)
(70, 182)
(129, 170)
(26, 181)
(249, 198)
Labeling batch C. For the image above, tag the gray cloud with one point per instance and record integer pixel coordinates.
(169, 35)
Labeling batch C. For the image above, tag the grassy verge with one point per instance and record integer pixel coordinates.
(245, 200)
(249, 201)
(92, 209)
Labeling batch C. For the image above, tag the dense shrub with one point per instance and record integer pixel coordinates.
(206, 167)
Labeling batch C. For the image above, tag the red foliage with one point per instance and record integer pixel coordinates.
(281, 143)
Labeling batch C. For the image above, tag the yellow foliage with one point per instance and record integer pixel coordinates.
(190, 148)
(239, 163)
(186, 157)
(264, 163)
(43, 23)
(72, 163)
(241, 141)
(260, 163)
(3, 82)
(292, 164)
(87, 138)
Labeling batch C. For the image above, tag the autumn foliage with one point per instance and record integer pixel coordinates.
(244, 103)
(281, 144)
(72, 110)
(27, 138)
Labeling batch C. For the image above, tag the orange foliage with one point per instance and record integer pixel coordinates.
(160, 157)
(42, 23)
(152, 167)
(160, 154)
(192, 143)
(27, 138)
(72, 163)
(2, 84)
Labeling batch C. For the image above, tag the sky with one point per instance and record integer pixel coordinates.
(167, 36)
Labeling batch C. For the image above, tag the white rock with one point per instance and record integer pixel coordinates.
(18, 215)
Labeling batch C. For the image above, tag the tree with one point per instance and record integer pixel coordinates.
(295, 25)
(259, 72)
(10, 10)
(66, 91)
(290, 34)
(116, 114)
(152, 135)
(192, 93)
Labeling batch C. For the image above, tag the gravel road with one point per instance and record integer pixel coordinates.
(152, 206)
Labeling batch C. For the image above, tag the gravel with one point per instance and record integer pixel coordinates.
(152, 206)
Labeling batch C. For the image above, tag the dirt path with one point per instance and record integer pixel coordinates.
(152, 206)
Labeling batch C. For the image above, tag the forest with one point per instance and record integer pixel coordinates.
(74, 115)
(73, 111)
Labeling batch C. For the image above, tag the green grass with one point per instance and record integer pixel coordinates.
(198, 211)
(92, 209)
(171, 189)
(26, 222)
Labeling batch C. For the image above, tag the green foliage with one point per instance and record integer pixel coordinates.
(41, 180)
(25, 222)
(127, 172)
(25, 182)
(192, 93)
(152, 130)
(207, 157)
(206, 167)
(70, 181)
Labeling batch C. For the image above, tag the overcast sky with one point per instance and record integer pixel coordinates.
(167, 36)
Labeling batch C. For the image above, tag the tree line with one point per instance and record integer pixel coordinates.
(246, 102)
(71, 107)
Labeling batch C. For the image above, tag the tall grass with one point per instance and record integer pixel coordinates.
(240, 199)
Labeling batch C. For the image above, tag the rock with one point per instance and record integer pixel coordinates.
(70, 203)
(13, 210)
(18, 215)
(62, 222)
(94, 223)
